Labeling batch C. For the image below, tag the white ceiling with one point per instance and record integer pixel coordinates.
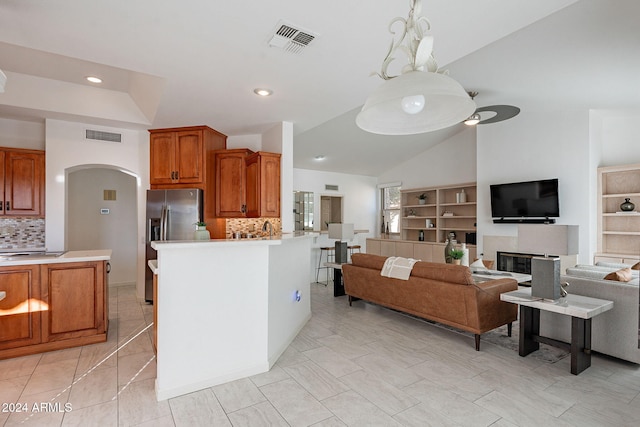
(197, 62)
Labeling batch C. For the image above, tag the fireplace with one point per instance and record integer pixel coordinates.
(515, 262)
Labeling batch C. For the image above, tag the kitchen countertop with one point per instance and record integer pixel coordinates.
(263, 241)
(69, 256)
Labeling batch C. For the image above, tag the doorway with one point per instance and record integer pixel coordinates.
(101, 213)
(330, 211)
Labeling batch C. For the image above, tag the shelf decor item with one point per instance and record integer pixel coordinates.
(422, 199)
(456, 256)
(627, 206)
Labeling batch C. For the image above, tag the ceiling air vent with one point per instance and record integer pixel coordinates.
(291, 39)
(330, 187)
(103, 136)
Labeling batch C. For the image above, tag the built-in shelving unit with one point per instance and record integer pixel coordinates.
(446, 208)
(618, 231)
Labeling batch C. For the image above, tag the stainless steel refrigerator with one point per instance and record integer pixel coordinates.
(171, 215)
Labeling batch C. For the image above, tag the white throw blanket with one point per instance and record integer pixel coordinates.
(398, 267)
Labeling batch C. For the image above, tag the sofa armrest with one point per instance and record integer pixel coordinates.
(490, 310)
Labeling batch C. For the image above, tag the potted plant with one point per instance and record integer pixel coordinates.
(201, 225)
(422, 199)
(457, 255)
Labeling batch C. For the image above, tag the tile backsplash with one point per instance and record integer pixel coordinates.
(251, 225)
(21, 233)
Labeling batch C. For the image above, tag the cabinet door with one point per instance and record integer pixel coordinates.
(75, 293)
(24, 184)
(162, 163)
(230, 183)
(263, 185)
(270, 185)
(188, 155)
(253, 186)
(21, 307)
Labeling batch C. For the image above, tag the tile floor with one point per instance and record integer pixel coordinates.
(355, 366)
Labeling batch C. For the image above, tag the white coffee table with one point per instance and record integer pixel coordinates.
(581, 309)
(497, 274)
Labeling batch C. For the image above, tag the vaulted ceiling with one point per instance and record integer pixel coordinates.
(167, 64)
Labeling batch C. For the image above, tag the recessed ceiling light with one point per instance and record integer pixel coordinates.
(320, 157)
(94, 79)
(262, 92)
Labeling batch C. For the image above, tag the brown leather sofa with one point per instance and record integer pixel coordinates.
(443, 293)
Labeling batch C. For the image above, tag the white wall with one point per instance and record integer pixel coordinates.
(538, 145)
(450, 162)
(359, 204)
(21, 134)
(66, 147)
(92, 229)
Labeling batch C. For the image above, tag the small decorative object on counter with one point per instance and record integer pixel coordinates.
(465, 255)
(456, 256)
(421, 236)
(447, 252)
(201, 232)
(386, 231)
(627, 206)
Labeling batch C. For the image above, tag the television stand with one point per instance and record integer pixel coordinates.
(524, 221)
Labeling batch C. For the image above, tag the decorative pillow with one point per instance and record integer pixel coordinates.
(477, 265)
(622, 275)
(636, 266)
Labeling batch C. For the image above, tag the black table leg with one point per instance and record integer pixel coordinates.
(580, 344)
(338, 286)
(529, 328)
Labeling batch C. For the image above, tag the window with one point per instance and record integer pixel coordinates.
(390, 207)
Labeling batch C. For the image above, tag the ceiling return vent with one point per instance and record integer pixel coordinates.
(290, 38)
(103, 136)
(330, 187)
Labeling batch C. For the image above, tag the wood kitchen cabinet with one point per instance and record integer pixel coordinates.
(20, 309)
(263, 185)
(77, 297)
(53, 306)
(178, 156)
(22, 182)
(230, 183)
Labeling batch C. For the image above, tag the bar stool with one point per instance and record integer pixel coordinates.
(353, 248)
(329, 251)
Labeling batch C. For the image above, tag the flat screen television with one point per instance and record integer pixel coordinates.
(530, 201)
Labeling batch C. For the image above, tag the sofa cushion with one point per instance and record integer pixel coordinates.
(622, 275)
(636, 266)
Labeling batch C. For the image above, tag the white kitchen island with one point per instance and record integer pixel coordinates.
(227, 309)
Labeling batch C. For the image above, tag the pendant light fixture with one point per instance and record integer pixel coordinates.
(422, 98)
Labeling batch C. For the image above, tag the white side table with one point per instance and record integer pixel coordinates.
(581, 309)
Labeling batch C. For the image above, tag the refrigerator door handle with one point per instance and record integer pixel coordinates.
(163, 223)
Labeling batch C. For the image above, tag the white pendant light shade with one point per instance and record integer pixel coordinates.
(445, 103)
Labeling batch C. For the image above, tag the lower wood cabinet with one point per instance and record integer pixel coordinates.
(76, 295)
(20, 310)
(52, 306)
(424, 251)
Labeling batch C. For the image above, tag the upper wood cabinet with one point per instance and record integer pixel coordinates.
(22, 182)
(230, 186)
(263, 185)
(179, 156)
